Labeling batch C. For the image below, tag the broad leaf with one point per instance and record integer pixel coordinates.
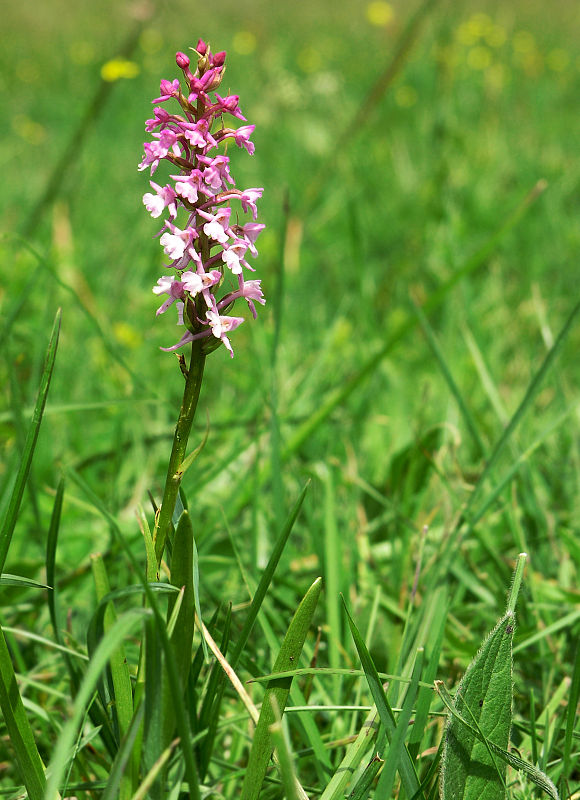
(484, 697)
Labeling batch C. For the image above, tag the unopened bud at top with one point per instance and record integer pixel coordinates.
(182, 60)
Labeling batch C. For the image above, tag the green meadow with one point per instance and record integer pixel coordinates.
(414, 373)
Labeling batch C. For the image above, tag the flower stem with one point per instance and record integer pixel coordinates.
(180, 439)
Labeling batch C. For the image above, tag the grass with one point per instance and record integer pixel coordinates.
(416, 363)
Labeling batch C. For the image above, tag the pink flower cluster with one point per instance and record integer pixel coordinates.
(202, 236)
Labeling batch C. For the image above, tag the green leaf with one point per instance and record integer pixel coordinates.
(152, 701)
(182, 575)
(121, 680)
(51, 544)
(266, 578)
(394, 755)
(256, 604)
(481, 715)
(571, 714)
(209, 713)
(149, 546)
(366, 780)
(469, 519)
(277, 692)
(405, 764)
(280, 740)
(21, 736)
(445, 368)
(533, 773)
(26, 460)
(334, 789)
(484, 696)
(185, 579)
(125, 752)
(163, 640)
(114, 637)
(17, 580)
(177, 704)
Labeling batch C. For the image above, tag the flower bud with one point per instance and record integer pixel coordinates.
(201, 47)
(216, 78)
(161, 115)
(182, 60)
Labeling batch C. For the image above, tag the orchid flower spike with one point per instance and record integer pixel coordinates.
(202, 234)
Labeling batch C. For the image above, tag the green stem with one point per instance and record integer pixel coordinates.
(180, 439)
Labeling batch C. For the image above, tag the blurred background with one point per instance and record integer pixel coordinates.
(393, 142)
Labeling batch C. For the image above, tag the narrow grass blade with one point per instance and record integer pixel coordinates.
(31, 438)
(179, 710)
(209, 714)
(181, 608)
(153, 700)
(48, 643)
(371, 626)
(51, 545)
(21, 736)
(440, 603)
(395, 753)
(333, 581)
(484, 695)
(125, 752)
(567, 621)
(277, 691)
(406, 767)
(507, 434)
(355, 753)
(189, 459)
(531, 392)
(571, 713)
(343, 671)
(149, 781)
(266, 578)
(235, 681)
(253, 611)
(487, 382)
(122, 628)
(284, 755)
(151, 568)
(449, 379)
(17, 580)
(122, 696)
(533, 729)
(366, 780)
(311, 733)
